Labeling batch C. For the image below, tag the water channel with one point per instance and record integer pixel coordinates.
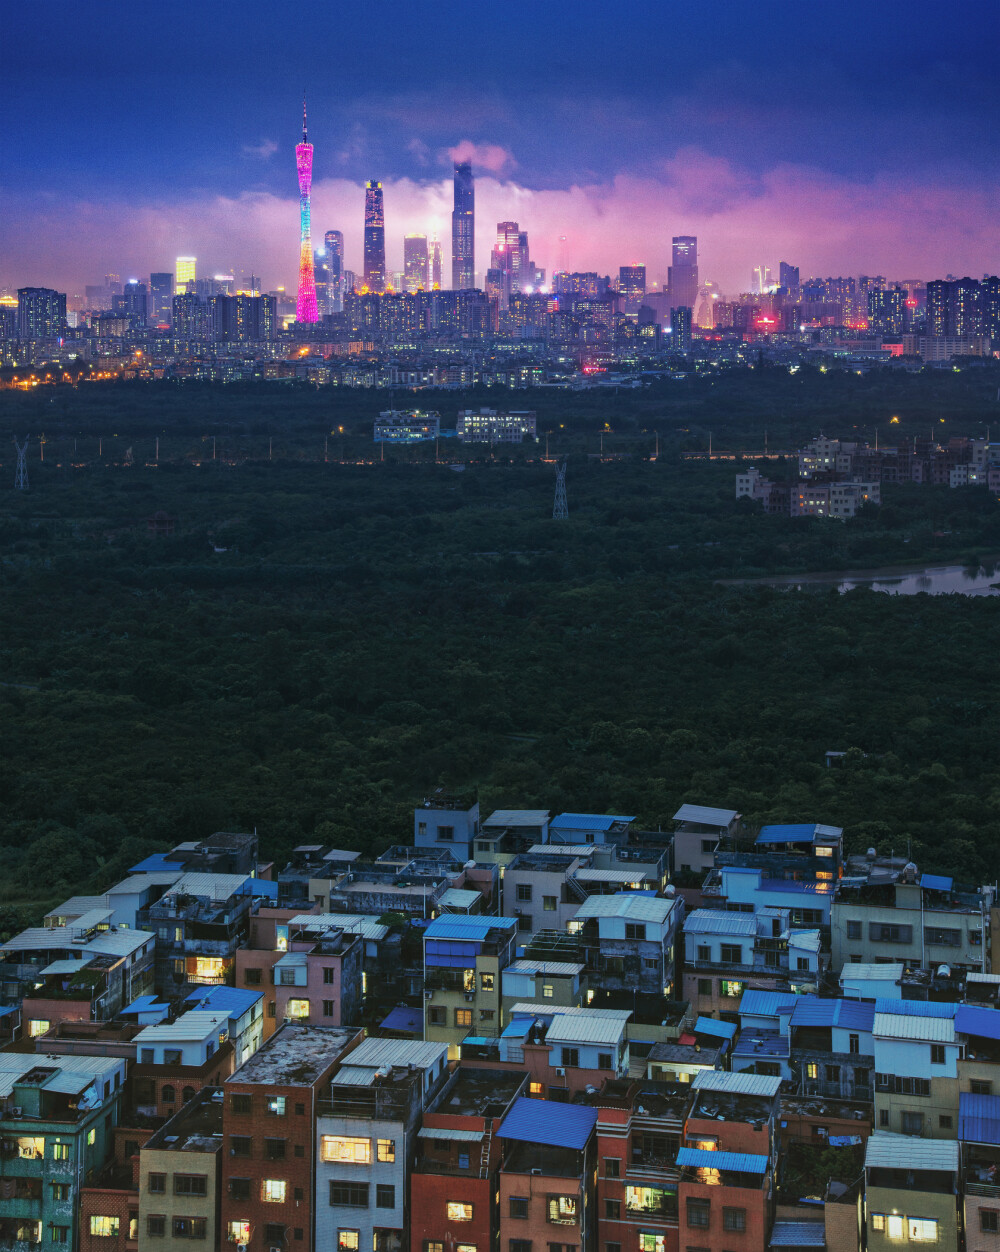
(896, 580)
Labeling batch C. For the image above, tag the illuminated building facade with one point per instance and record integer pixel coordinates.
(683, 273)
(435, 262)
(631, 287)
(305, 304)
(244, 319)
(333, 242)
(184, 273)
(374, 238)
(463, 229)
(161, 291)
(887, 311)
(41, 313)
(680, 327)
(415, 263)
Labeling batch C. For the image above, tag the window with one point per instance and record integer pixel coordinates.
(613, 1210)
(989, 1221)
(704, 986)
(649, 1242)
(238, 1231)
(734, 1219)
(60, 1151)
(343, 1148)
(704, 952)
(549, 904)
(922, 1229)
(189, 1227)
(436, 1016)
(60, 1190)
(446, 834)
(104, 1227)
(167, 1094)
(190, 1184)
(944, 938)
(329, 974)
(252, 976)
(91, 1139)
(239, 1188)
(156, 1184)
(854, 1044)
(463, 1017)
(612, 1167)
(524, 891)
(385, 1196)
(801, 963)
(392, 1241)
(612, 1247)
(327, 1008)
(524, 921)
(697, 1212)
(486, 982)
(348, 1240)
(347, 1194)
(729, 987)
(904, 1086)
(487, 1015)
(860, 1076)
(833, 1073)
(272, 1190)
(518, 1206)
(37, 1026)
(882, 932)
(274, 1149)
(60, 1234)
(944, 1121)
(731, 953)
(883, 1117)
(937, 1054)
(520, 1245)
(980, 1086)
(635, 930)
(911, 1123)
(854, 930)
(458, 1211)
(297, 1009)
(239, 1145)
(562, 1210)
(276, 1105)
(156, 1225)
(604, 1060)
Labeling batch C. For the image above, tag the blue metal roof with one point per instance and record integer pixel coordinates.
(766, 1003)
(762, 1045)
(548, 1122)
(851, 1014)
(711, 1026)
(778, 885)
(703, 1158)
(936, 882)
(798, 1235)
(260, 887)
(586, 821)
(402, 1018)
(972, 1020)
(474, 928)
(915, 1008)
(803, 833)
(152, 864)
(234, 1001)
(979, 1118)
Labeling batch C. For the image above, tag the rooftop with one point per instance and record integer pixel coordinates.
(549, 1123)
(197, 1127)
(890, 1151)
(295, 1056)
(587, 821)
(720, 922)
(517, 817)
(479, 1093)
(473, 928)
(702, 815)
(634, 906)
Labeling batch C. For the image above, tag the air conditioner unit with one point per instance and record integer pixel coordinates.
(470, 995)
(277, 1248)
(560, 1073)
(428, 994)
(17, 1111)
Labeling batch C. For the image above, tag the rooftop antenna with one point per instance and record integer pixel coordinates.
(21, 472)
(560, 508)
(305, 133)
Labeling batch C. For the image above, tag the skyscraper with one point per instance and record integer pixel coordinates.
(510, 259)
(133, 302)
(41, 313)
(374, 238)
(305, 304)
(435, 247)
(463, 229)
(682, 277)
(334, 243)
(415, 275)
(161, 290)
(788, 279)
(184, 273)
(680, 326)
(631, 287)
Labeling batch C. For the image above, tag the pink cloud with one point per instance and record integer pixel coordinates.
(485, 156)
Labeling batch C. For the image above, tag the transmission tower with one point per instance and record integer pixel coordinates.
(21, 473)
(560, 509)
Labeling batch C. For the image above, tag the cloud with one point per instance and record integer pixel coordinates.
(419, 151)
(486, 156)
(265, 149)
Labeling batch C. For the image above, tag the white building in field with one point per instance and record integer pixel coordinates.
(494, 426)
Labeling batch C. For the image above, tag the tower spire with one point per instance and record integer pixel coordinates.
(305, 133)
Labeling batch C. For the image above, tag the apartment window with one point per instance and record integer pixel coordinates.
(697, 1212)
(911, 1123)
(277, 1105)
(571, 1058)
(534, 1088)
(60, 1151)
(548, 991)
(980, 1086)
(274, 1232)
(104, 1227)
(274, 1149)
(731, 953)
(347, 1194)
(650, 1242)
(167, 1093)
(734, 1219)
(327, 1008)
(386, 1151)
(433, 1245)
(348, 1240)
(190, 1184)
(436, 1016)
(704, 952)
(487, 1015)
(729, 987)
(518, 1206)
(524, 891)
(854, 1044)
(156, 1225)
(297, 1009)
(801, 963)
(937, 1054)
(635, 930)
(944, 938)
(860, 1077)
(239, 1145)
(156, 1184)
(392, 1241)
(883, 1117)
(882, 932)
(345, 1149)
(613, 1210)
(59, 1234)
(989, 1221)
(252, 976)
(242, 1104)
(60, 1190)
(459, 1211)
(463, 1017)
(524, 922)
(385, 1196)
(604, 1060)
(549, 904)
(271, 1009)
(612, 1247)
(520, 1245)
(273, 1190)
(286, 977)
(300, 1110)
(922, 1229)
(329, 974)
(562, 1210)
(612, 1167)
(704, 986)
(833, 1073)
(446, 834)
(189, 1227)
(486, 982)
(239, 1188)
(854, 930)
(421, 828)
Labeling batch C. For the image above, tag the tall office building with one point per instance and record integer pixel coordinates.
(788, 279)
(333, 242)
(510, 259)
(41, 313)
(682, 277)
(680, 328)
(161, 290)
(374, 238)
(184, 273)
(133, 303)
(631, 287)
(435, 247)
(463, 229)
(305, 304)
(415, 267)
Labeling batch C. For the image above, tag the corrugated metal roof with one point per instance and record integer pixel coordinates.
(76, 906)
(885, 1150)
(972, 1020)
(525, 1008)
(378, 1052)
(582, 1028)
(215, 887)
(720, 922)
(828, 832)
(586, 821)
(740, 1084)
(517, 817)
(793, 886)
(633, 906)
(738, 1162)
(118, 942)
(752, 1043)
(473, 927)
(234, 1001)
(549, 1123)
(195, 1024)
(712, 1026)
(766, 1003)
(936, 883)
(459, 898)
(704, 815)
(403, 1018)
(609, 875)
(137, 883)
(865, 972)
(68, 966)
(802, 833)
(915, 1008)
(993, 979)
(805, 940)
(14, 1065)
(851, 1014)
(525, 966)
(438, 1132)
(563, 849)
(354, 1076)
(978, 1118)
(798, 1235)
(924, 1029)
(364, 924)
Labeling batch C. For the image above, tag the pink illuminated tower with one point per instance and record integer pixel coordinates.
(305, 305)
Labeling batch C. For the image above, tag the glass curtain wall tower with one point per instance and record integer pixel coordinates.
(463, 229)
(374, 238)
(305, 305)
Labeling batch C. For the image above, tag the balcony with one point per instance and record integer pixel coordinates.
(982, 1181)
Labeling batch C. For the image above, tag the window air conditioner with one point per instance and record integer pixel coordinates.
(561, 1073)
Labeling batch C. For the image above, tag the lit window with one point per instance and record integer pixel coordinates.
(922, 1229)
(276, 1105)
(562, 1210)
(459, 1212)
(343, 1149)
(60, 1151)
(535, 1088)
(348, 1240)
(104, 1227)
(209, 969)
(812, 1070)
(37, 1026)
(486, 982)
(547, 991)
(387, 1150)
(894, 1226)
(272, 1190)
(238, 1232)
(465, 1247)
(91, 1137)
(651, 1243)
(297, 1008)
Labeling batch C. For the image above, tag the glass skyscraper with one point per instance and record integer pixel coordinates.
(463, 229)
(374, 238)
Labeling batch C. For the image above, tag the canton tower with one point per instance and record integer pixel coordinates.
(305, 305)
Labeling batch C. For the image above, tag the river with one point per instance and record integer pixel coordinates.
(896, 580)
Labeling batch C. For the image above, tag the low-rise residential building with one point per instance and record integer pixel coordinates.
(447, 821)
(629, 942)
(174, 1060)
(553, 984)
(540, 890)
(697, 833)
(464, 958)
(979, 1150)
(916, 1054)
(200, 923)
(180, 1174)
(911, 1192)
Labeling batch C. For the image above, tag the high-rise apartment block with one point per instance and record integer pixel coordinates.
(463, 229)
(161, 291)
(41, 313)
(435, 263)
(631, 288)
(375, 271)
(333, 243)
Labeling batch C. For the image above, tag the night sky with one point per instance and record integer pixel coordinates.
(847, 137)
